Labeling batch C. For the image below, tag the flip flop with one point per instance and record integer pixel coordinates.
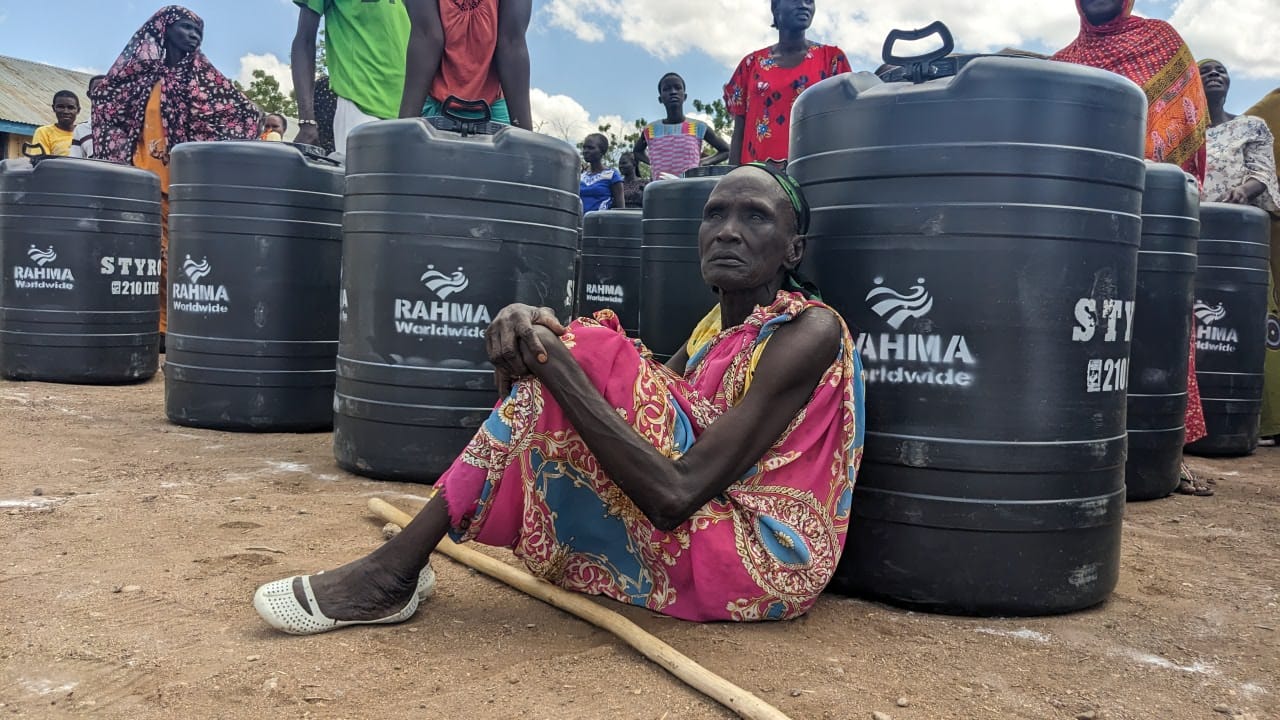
(277, 604)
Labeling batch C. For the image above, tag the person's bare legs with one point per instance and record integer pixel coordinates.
(381, 582)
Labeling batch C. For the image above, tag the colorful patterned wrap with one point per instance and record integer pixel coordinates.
(762, 550)
(763, 92)
(673, 148)
(197, 102)
(1153, 55)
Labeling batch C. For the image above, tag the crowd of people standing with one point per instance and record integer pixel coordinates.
(388, 60)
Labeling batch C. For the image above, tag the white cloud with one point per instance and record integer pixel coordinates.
(563, 117)
(1243, 34)
(268, 63)
(728, 29)
(978, 25)
(724, 29)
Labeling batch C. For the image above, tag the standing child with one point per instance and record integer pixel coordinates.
(600, 187)
(673, 145)
(632, 183)
(82, 138)
(56, 139)
(274, 126)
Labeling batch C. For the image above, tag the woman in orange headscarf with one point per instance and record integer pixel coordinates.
(1153, 55)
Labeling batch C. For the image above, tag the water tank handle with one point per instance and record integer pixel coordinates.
(34, 157)
(312, 152)
(468, 117)
(919, 68)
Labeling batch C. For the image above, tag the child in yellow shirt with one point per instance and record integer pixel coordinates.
(56, 139)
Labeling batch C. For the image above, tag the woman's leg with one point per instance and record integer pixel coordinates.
(1188, 483)
(482, 496)
(164, 267)
(381, 582)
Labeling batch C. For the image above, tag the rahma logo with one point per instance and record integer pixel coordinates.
(1211, 336)
(1208, 314)
(196, 271)
(441, 318)
(444, 285)
(896, 307)
(42, 257)
(912, 358)
(196, 297)
(41, 277)
(606, 293)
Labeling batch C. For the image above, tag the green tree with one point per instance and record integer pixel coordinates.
(721, 121)
(265, 92)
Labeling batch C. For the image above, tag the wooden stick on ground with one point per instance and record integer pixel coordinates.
(699, 678)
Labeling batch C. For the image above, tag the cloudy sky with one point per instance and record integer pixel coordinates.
(599, 60)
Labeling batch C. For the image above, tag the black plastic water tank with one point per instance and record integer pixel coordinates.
(1231, 325)
(446, 222)
(609, 266)
(673, 297)
(255, 247)
(80, 248)
(980, 228)
(1162, 332)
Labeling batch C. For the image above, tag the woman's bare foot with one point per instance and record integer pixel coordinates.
(361, 590)
(1189, 484)
(383, 582)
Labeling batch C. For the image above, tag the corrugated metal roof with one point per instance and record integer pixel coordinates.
(27, 88)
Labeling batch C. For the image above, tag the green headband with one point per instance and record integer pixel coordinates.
(793, 192)
(794, 280)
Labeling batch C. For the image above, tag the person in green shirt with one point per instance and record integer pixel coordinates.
(365, 44)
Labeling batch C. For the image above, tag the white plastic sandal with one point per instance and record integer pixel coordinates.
(277, 604)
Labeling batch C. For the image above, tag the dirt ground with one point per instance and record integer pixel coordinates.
(132, 548)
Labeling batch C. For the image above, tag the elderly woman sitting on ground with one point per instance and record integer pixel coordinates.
(716, 487)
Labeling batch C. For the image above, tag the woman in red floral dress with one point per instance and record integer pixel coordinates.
(767, 82)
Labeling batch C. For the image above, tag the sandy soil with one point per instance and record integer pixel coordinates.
(132, 548)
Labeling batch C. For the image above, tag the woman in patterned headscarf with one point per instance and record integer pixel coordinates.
(1153, 55)
(715, 487)
(162, 91)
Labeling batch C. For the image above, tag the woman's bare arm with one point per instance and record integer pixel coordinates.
(422, 58)
(739, 135)
(669, 491)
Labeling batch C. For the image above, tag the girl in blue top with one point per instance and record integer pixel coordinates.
(600, 187)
